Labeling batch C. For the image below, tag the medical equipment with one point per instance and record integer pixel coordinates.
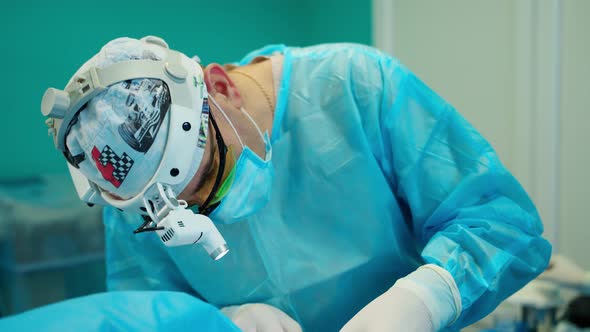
(564, 272)
(51, 248)
(576, 316)
(157, 200)
(538, 305)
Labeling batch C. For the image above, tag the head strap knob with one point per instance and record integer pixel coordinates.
(55, 103)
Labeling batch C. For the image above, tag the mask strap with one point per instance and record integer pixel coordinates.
(226, 119)
(253, 122)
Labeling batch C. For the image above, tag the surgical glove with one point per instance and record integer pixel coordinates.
(426, 300)
(260, 317)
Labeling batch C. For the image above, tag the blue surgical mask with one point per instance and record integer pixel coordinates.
(251, 187)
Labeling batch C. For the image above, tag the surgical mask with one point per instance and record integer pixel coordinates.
(251, 187)
(252, 181)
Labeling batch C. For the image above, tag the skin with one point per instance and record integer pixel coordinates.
(232, 91)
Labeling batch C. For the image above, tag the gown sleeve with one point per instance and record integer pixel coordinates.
(466, 211)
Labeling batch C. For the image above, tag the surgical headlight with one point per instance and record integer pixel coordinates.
(157, 202)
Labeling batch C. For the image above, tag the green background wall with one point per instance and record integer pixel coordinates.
(44, 42)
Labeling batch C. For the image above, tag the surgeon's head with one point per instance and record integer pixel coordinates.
(123, 131)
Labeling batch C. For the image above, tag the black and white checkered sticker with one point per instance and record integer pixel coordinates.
(121, 165)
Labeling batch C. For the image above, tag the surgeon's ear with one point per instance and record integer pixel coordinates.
(218, 82)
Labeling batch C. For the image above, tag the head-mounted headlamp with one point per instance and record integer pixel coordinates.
(157, 201)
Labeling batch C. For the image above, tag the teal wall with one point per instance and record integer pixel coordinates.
(44, 42)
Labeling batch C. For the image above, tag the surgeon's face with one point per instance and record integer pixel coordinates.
(202, 183)
(220, 87)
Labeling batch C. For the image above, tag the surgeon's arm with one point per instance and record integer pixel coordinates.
(472, 219)
(470, 214)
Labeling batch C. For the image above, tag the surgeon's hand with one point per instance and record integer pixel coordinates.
(424, 301)
(397, 309)
(260, 317)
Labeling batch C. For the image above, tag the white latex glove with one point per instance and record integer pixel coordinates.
(427, 300)
(565, 272)
(260, 317)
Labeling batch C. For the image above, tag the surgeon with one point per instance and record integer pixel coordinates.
(344, 193)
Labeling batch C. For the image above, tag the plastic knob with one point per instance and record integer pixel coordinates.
(156, 41)
(55, 103)
(176, 70)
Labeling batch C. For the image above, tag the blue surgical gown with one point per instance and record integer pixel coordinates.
(130, 311)
(375, 175)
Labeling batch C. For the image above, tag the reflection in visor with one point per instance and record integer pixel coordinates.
(148, 101)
